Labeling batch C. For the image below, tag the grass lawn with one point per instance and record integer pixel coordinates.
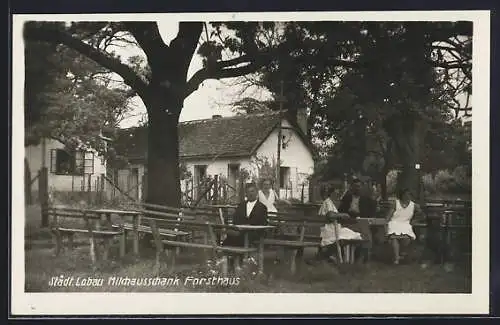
(376, 277)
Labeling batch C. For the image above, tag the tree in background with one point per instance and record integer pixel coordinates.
(376, 90)
(68, 97)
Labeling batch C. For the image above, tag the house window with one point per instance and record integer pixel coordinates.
(284, 177)
(63, 162)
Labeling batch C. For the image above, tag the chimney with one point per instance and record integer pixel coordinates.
(216, 116)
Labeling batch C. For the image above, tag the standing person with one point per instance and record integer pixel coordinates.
(399, 218)
(267, 196)
(248, 212)
(358, 205)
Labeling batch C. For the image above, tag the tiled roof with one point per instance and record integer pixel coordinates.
(215, 137)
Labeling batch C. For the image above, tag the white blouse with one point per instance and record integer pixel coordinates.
(268, 201)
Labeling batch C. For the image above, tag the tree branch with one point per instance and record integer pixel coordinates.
(148, 36)
(186, 41)
(60, 37)
(205, 73)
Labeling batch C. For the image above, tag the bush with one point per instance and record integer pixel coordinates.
(429, 184)
(458, 181)
(462, 176)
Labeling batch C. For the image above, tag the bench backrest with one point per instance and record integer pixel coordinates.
(75, 218)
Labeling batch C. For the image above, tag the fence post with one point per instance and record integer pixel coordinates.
(242, 189)
(43, 192)
(144, 186)
(103, 194)
(89, 188)
(216, 189)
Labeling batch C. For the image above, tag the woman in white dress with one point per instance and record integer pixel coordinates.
(328, 232)
(268, 196)
(399, 228)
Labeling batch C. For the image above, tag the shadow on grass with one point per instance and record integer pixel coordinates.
(41, 265)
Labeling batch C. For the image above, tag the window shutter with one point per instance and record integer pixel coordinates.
(53, 160)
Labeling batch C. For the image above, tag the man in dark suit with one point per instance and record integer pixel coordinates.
(358, 205)
(248, 212)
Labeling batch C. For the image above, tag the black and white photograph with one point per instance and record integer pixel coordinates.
(264, 154)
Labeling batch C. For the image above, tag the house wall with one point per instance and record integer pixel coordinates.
(296, 156)
(60, 182)
(218, 167)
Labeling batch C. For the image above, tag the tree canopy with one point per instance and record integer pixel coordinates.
(390, 73)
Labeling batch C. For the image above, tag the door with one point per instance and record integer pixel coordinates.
(133, 183)
(200, 173)
(233, 174)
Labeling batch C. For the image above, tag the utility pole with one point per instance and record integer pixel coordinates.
(278, 160)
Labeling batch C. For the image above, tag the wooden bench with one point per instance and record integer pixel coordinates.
(61, 229)
(210, 242)
(308, 235)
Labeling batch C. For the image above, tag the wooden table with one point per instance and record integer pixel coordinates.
(124, 213)
(246, 229)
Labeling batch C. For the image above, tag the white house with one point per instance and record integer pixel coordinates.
(68, 170)
(225, 146)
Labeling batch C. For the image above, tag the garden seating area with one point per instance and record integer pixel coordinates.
(173, 232)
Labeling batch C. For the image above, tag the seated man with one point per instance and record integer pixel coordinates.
(357, 205)
(248, 212)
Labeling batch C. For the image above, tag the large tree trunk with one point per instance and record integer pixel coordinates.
(408, 145)
(163, 183)
(383, 184)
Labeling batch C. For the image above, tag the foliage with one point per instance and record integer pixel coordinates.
(250, 105)
(68, 98)
(373, 87)
(184, 171)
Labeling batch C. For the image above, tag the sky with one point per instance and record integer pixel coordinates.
(213, 97)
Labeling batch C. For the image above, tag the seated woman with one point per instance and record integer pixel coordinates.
(399, 229)
(328, 232)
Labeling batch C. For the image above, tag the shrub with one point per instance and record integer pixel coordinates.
(429, 184)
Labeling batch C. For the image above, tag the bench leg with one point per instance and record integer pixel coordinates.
(236, 262)
(136, 236)
(159, 251)
(347, 254)
(293, 261)
(261, 257)
(58, 243)
(339, 251)
(107, 245)
(172, 260)
(93, 250)
(123, 243)
(225, 266)
(70, 242)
